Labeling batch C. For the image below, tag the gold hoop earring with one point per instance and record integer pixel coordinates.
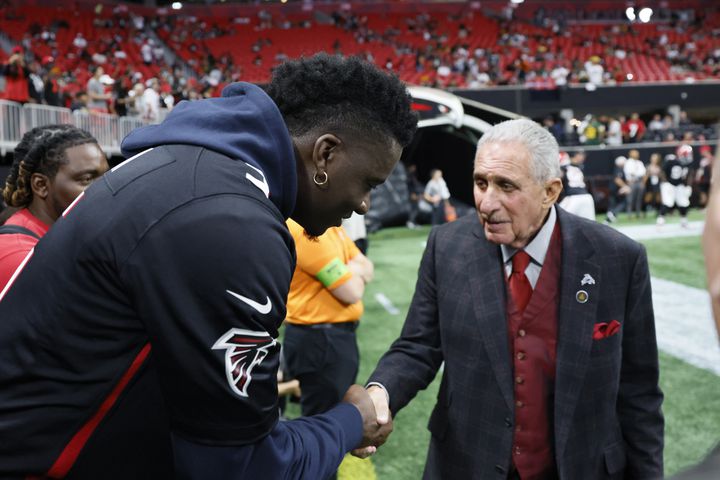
(318, 182)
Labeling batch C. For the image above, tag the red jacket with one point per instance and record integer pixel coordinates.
(15, 247)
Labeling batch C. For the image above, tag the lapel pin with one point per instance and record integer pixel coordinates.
(587, 280)
(581, 296)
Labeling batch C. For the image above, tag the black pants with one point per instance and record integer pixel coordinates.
(325, 359)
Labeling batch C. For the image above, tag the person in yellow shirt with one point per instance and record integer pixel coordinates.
(323, 309)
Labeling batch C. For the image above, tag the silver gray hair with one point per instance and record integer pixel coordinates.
(543, 148)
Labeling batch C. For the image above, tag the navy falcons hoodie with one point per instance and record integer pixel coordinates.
(139, 340)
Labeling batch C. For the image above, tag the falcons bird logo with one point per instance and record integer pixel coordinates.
(244, 350)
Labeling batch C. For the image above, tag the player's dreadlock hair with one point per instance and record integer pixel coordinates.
(339, 93)
(41, 150)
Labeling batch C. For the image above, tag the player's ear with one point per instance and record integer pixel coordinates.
(40, 185)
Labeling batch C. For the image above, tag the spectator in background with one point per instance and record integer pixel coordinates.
(80, 102)
(97, 97)
(554, 128)
(51, 92)
(437, 194)
(703, 175)
(591, 131)
(656, 123)
(635, 177)
(52, 165)
(614, 132)
(674, 188)
(324, 307)
(151, 101)
(618, 190)
(134, 102)
(683, 119)
(652, 183)
(633, 130)
(656, 127)
(16, 77)
(36, 84)
(577, 199)
(415, 194)
(560, 75)
(595, 71)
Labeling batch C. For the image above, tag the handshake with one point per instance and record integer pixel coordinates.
(377, 420)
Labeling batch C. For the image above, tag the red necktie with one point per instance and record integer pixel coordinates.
(520, 287)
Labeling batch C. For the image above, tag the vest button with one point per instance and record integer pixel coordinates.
(521, 333)
(517, 450)
(521, 355)
(519, 404)
(519, 380)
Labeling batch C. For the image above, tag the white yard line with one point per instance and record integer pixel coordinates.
(649, 232)
(386, 303)
(684, 324)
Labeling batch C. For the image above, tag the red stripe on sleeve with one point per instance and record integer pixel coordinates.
(72, 450)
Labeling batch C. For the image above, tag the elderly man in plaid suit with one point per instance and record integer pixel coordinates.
(545, 325)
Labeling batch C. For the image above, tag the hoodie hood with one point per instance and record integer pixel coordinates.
(243, 124)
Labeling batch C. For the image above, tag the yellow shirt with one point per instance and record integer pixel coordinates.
(321, 267)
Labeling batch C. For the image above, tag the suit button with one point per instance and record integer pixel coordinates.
(508, 422)
(521, 355)
(519, 380)
(521, 333)
(519, 404)
(499, 469)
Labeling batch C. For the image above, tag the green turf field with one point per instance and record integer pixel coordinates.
(692, 395)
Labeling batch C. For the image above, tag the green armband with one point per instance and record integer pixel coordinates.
(331, 272)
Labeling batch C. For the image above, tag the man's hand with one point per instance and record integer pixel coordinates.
(383, 419)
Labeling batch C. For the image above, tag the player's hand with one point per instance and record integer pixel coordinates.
(383, 419)
(374, 433)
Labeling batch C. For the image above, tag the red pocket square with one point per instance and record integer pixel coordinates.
(605, 330)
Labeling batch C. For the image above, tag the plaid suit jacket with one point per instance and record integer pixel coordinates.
(607, 417)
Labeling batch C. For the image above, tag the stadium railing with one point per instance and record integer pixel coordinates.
(10, 125)
(109, 130)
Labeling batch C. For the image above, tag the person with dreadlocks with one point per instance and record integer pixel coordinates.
(169, 279)
(52, 165)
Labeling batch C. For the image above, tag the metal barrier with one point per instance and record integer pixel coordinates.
(128, 124)
(102, 126)
(10, 134)
(109, 130)
(35, 115)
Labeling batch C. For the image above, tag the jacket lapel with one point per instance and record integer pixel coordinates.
(488, 289)
(577, 315)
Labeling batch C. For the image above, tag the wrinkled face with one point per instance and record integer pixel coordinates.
(354, 167)
(511, 204)
(84, 164)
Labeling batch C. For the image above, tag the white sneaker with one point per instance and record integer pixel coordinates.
(660, 220)
(684, 222)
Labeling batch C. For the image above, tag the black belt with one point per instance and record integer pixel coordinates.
(352, 326)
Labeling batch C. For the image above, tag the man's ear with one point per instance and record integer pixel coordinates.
(553, 187)
(40, 185)
(324, 150)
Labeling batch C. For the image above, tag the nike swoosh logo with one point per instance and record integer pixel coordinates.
(264, 309)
